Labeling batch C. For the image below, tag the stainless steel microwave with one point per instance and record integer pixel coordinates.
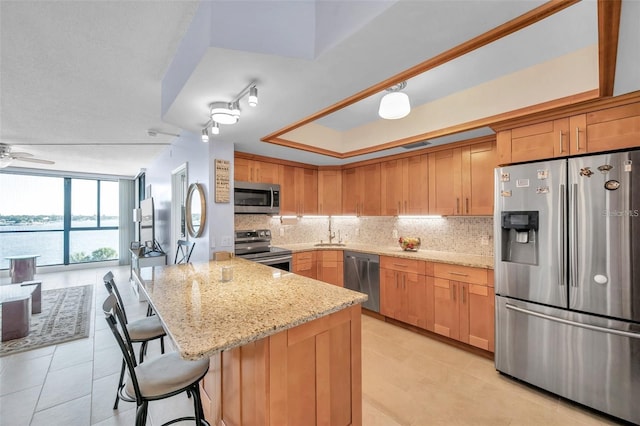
(262, 198)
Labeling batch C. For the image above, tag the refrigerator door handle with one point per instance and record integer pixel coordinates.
(573, 323)
(563, 235)
(573, 255)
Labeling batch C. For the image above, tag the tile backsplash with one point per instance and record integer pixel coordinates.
(472, 235)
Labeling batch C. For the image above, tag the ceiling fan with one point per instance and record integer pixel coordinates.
(7, 157)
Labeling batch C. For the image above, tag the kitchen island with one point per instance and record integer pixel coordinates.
(283, 349)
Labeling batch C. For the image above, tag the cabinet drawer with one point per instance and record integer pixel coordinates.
(305, 256)
(404, 265)
(460, 273)
(329, 255)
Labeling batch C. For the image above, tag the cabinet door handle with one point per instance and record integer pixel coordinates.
(561, 142)
(400, 265)
(467, 204)
(458, 273)
(577, 138)
(454, 290)
(457, 205)
(399, 207)
(464, 295)
(405, 206)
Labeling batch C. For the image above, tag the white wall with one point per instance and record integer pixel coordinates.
(185, 149)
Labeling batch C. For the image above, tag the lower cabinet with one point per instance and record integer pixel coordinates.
(304, 263)
(464, 305)
(307, 375)
(403, 291)
(330, 267)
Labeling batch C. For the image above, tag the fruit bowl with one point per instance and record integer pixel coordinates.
(409, 243)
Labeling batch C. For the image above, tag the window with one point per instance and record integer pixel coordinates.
(63, 220)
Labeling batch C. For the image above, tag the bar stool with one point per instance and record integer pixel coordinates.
(142, 330)
(183, 251)
(158, 378)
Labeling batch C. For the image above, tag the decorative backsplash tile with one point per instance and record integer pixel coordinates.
(473, 235)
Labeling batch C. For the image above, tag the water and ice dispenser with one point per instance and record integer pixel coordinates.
(520, 237)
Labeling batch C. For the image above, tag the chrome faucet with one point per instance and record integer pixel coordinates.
(332, 235)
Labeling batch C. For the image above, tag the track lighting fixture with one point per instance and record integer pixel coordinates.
(253, 96)
(205, 135)
(395, 104)
(229, 112)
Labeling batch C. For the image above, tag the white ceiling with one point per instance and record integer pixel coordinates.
(81, 82)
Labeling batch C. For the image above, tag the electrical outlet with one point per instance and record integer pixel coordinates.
(282, 232)
(357, 232)
(484, 240)
(226, 241)
(394, 234)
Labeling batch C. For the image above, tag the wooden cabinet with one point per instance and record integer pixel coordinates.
(298, 190)
(403, 291)
(613, 128)
(307, 375)
(461, 180)
(304, 263)
(464, 305)
(596, 131)
(330, 192)
(361, 190)
(255, 171)
(445, 180)
(404, 186)
(478, 164)
(330, 266)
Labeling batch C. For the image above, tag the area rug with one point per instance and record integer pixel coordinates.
(65, 316)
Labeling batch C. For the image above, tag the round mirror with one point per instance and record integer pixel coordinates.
(196, 210)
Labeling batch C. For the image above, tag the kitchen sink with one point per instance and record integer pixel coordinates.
(329, 245)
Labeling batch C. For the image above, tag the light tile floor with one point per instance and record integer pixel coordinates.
(408, 379)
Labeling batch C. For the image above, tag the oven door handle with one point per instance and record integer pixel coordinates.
(273, 259)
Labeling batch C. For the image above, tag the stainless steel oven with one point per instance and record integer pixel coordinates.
(255, 245)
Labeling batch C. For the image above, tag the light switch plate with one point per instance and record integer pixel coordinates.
(226, 241)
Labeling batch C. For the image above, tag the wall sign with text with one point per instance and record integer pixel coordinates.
(222, 181)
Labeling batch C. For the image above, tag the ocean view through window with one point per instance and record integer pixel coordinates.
(64, 220)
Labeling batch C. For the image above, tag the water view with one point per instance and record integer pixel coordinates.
(44, 236)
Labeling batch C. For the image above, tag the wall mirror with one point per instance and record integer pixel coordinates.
(196, 210)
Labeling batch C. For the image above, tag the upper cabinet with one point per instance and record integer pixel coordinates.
(461, 180)
(361, 190)
(445, 180)
(478, 164)
(330, 192)
(298, 190)
(247, 170)
(597, 131)
(404, 187)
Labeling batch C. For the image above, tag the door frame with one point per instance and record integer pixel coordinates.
(179, 186)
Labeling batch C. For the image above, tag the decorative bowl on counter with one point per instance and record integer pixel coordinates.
(409, 243)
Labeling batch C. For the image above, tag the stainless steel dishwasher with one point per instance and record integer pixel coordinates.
(362, 273)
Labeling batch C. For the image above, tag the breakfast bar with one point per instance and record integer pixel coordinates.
(284, 349)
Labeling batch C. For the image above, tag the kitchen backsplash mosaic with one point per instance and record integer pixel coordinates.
(472, 235)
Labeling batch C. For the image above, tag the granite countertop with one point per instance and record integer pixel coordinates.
(204, 316)
(462, 259)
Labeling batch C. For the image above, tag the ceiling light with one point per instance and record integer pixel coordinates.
(253, 96)
(229, 112)
(215, 128)
(225, 112)
(395, 104)
(205, 136)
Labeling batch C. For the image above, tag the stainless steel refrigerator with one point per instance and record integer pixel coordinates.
(567, 270)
